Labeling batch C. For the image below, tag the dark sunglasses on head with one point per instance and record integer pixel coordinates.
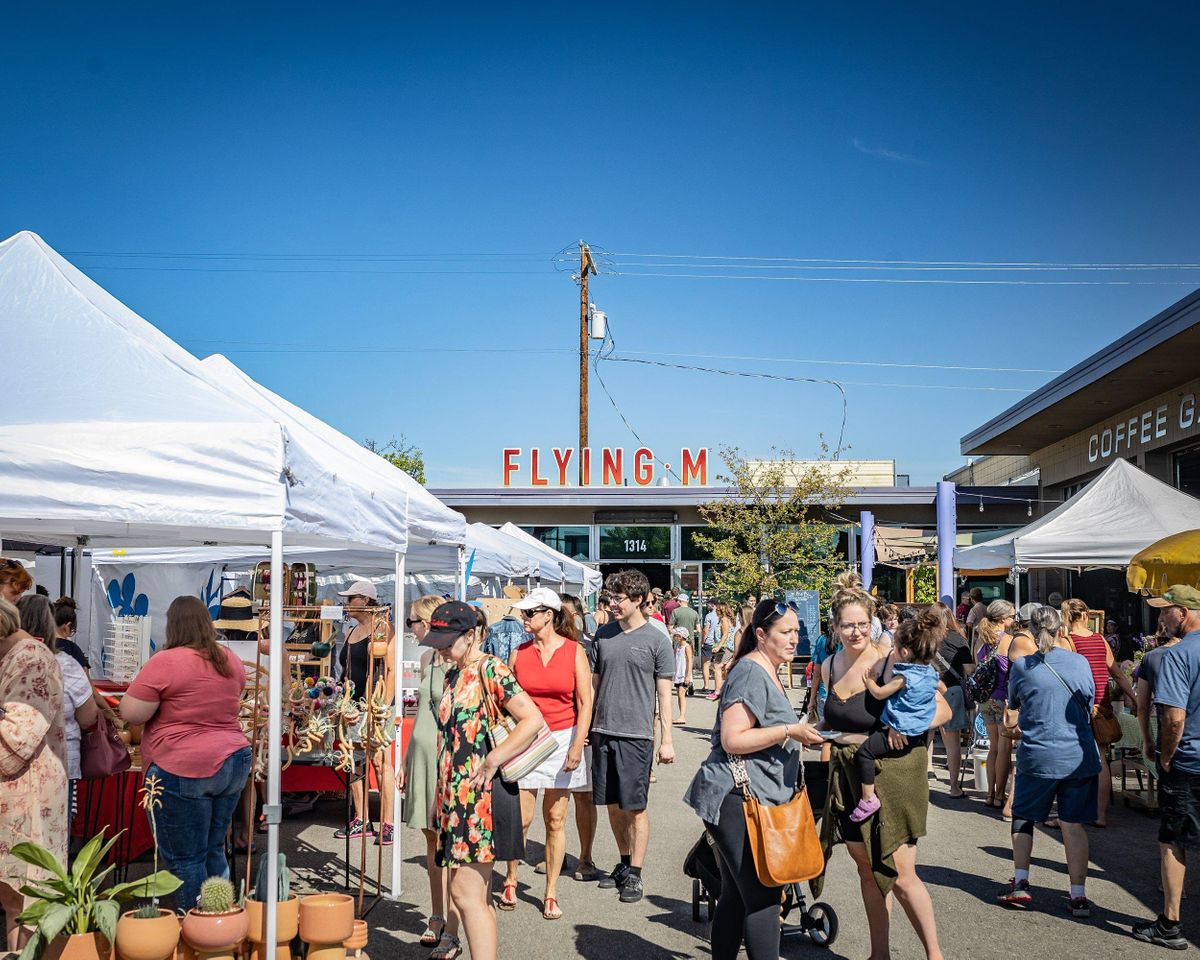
(529, 613)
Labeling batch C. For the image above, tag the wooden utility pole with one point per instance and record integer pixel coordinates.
(586, 265)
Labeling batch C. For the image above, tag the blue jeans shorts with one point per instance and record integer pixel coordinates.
(1033, 797)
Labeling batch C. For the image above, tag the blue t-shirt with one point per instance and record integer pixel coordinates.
(1179, 686)
(820, 654)
(1056, 728)
(911, 709)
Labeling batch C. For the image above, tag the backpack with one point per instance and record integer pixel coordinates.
(982, 682)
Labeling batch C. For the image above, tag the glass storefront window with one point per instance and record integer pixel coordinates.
(573, 541)
(689, 549)
(635, 543)
(1187, 471)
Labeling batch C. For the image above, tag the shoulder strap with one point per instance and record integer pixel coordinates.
(1074, 693)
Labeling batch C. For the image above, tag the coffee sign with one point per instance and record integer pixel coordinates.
(606, 467)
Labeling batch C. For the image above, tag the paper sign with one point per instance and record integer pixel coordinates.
(331, 613)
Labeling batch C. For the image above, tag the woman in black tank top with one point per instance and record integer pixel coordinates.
(883, 848)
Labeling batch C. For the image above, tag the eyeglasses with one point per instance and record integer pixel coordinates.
(526, 614)
(410, 623)
(617, 598)
(856, 627)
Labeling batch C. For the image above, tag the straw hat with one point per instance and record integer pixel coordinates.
(237, 612)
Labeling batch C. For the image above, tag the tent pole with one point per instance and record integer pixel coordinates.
(275, 671)
(461, 589)
(400, 614)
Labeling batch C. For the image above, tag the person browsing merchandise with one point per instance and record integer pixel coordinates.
(634, 664)
(1177, 695)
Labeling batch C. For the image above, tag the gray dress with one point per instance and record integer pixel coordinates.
(420, 764)
(774, 771)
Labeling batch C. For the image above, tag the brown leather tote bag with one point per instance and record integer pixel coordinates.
(783, 838)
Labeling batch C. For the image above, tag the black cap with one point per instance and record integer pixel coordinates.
(449, 622)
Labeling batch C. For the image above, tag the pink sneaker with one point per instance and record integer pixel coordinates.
(865, 810)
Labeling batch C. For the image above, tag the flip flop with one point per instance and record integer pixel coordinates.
(585, 871)
(504, 903)
(551, 913)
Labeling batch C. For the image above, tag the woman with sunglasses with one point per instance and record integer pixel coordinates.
(884, 853)
(755, 721)
(553, 669)
(419, 783)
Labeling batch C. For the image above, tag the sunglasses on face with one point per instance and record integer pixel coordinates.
(526, 614)
(410, 623)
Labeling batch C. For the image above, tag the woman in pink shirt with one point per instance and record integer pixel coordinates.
(188, 695)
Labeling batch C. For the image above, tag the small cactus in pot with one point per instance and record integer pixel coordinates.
(217, 925)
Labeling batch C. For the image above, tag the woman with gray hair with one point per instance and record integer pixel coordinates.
(1050, 696)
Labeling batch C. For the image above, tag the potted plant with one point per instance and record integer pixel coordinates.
(150, 932)
(217, 925)
(71, 916)
(287, 914)
(326, 923)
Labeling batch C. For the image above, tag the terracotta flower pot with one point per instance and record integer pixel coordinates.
(287, 920)
(326, 923)
(78, 946)
(379, 648)
(141, 938)
(358, 939)
(264, 645)
(215, 936)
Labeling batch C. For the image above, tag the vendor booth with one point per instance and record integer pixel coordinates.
(139, 448)
(572, 573)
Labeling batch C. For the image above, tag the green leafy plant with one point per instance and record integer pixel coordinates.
(216, 896)
(284, 886)
(71, 902)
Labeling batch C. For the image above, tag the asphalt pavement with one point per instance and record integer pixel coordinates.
(965, 859)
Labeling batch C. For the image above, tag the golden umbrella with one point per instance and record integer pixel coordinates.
(1171, 560)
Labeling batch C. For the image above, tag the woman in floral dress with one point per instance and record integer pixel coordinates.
(477, 815)
(33, 769)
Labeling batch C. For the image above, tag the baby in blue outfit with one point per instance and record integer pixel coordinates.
(909, 685)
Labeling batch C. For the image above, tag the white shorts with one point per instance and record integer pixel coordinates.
(551, 776)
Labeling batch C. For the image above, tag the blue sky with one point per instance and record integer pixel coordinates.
(479, 141)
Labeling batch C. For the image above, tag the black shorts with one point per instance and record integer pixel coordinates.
(621, 771)
(1179, 807)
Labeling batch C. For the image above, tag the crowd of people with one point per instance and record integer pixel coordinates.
(579, 706)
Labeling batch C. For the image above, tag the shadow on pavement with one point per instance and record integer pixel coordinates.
(605, 943)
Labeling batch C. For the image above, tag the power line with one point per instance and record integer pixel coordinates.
(913, 280)
(945, 263)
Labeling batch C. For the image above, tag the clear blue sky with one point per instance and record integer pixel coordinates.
(963, 132)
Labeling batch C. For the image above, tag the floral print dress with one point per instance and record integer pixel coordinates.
(33, 771)
(463, 815)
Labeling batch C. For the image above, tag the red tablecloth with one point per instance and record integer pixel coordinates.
(97, 809)
(305, 778)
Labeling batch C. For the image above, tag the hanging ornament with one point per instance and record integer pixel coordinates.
(320, 650)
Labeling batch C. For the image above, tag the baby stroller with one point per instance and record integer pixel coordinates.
(818, 922)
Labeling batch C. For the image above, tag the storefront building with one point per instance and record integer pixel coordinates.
(653, 527)
(1136, 398)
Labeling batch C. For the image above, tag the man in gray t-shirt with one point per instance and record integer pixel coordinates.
(634, 663)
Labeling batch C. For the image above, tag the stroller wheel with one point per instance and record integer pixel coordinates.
(822, 924)
(696, 894)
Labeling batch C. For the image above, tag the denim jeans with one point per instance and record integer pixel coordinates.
(193, 821)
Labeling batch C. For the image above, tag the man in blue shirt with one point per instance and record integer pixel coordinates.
(1177, 695)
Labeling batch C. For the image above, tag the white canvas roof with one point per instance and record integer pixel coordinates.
(574, 572)
(1119, 513)
(136, 446)
(429, 520)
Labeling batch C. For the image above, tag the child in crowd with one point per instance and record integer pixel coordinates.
(910, 685)
(683, 669)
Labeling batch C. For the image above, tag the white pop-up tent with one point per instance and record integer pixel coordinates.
(571, 572)
(138, 447)
(1117, 514)
(429, 520)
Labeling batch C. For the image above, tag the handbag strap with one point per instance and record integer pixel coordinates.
(741, 776)
(1074, 693)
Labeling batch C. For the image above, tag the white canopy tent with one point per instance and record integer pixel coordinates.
(572, 572)
(429, 520)
(138, 448)
(1117, 514)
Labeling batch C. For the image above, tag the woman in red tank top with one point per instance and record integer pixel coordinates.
(553, 669)
(1095, 649)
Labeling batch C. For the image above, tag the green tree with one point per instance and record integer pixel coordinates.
(925, 583)
(400, 453)
(773, 530)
